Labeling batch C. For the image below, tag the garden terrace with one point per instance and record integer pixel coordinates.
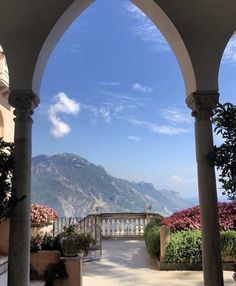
(197, 31)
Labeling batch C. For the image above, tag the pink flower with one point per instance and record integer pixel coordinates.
(190, 218)
(42, 214)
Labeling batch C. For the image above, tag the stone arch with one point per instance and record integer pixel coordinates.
(225, 44)
(150, 8)
(63, 23)
(198, 33)
(173, 37)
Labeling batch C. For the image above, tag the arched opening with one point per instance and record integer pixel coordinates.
(202, 131)
(158, 115)
(113, 85)
(227, 87)
(151, 9)
(227, 71)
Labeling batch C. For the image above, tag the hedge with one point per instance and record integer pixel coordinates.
(228, 243)
(152, 238)
(185, 246)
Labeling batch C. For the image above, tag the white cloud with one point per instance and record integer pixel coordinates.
(60, 128)
(180, 180)
(116, 95)
(105, 114)
(93, 112)
(176, 115)
(75, 48)
(63, 105)
(123, 98)
(118, 109)
(105, 111)
(135, 11)
(145, 29)
(229, 55)
(161, 129)
(107, 83)
(138, 87)
(134, 138)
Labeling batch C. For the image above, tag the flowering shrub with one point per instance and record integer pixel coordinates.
(190, 218)
(42, 214)
(227, 215)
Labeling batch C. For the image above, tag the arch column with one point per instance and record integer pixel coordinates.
(19, 245)
(202, 104)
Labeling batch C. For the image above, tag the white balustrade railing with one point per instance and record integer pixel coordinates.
(110, 225)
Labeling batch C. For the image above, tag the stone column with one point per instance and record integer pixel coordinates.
(164, 242)
(24, 103)
(202, 104)
(74, 270)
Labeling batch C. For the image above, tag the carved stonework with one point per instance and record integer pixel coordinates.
(24, 100)
(202, 103)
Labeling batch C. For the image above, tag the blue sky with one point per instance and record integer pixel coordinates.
(113, 93)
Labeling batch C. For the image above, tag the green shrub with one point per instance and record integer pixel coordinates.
(228, 243)
(152, 238)
(185, 247)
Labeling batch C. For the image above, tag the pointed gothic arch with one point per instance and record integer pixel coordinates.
(200, 28)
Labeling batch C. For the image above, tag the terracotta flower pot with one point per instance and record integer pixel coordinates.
(69, 246)
(40, 260)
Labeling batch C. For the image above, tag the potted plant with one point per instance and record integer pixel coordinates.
(74, 243)
(45, 250)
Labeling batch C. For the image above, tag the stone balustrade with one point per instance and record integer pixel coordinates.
(110, 225)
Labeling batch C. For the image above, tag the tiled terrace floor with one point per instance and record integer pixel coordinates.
(126, 263)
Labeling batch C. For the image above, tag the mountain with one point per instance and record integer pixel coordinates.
(73, 186)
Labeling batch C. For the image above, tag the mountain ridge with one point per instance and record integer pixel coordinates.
(73, 186)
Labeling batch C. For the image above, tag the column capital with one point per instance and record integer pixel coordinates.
(202, 103)
(23, 100)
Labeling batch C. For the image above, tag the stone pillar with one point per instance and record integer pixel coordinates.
(202, 104)
(24, 103)
(74, 271)
(164, 242)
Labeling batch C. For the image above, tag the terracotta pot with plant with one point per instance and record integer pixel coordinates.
(74, 243)
(45, 250)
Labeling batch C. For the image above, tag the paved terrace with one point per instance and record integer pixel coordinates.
(126, 263)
